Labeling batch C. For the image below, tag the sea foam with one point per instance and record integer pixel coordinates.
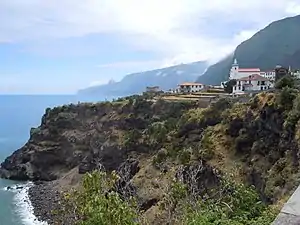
(23, 206)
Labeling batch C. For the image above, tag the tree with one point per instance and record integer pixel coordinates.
(228, 86)
(286, 81)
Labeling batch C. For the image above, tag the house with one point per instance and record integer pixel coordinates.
(190, 87)
(174, 90)
(281, 72)
(153, 89)
(236, 72)
(296, 74)
(254, 82)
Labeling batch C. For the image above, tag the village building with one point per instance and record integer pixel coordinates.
(190, 87)
(236, 72)
(174, 91)
(251, 83)
(153, 89)
(296, 74)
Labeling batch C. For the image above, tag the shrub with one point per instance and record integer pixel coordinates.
(286, 97)
(237, 205)
(228, 86)
(95, 204)
(286, 81)
(160, 157)
(184, 156)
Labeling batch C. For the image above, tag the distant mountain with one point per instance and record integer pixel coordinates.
(165, 78)
(277, 44)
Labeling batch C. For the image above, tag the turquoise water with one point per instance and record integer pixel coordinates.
(17, 115)
(9, 213)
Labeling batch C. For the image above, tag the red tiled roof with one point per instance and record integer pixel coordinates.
(189, 84)
(249, 70)
(253, 77)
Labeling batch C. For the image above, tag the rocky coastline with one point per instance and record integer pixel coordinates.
(46, 202)
(152, 144)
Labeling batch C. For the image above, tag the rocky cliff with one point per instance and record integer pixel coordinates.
(150, 142)
(87, 135)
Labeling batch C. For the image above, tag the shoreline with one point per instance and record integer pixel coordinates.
(23, 207)
(46, 201)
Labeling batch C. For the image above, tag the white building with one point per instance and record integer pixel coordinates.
(191, 87)
(251, 83)
(237, 73)
(174, 90)
(296, 74)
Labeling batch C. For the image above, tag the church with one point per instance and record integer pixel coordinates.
(237, 73)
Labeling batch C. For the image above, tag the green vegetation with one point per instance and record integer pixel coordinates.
(236, 204)
(286, 81)
(256, 143)
(228, 86)
(97, 204)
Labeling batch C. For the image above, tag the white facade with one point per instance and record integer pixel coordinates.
(269, 75)
(252, 83)
(296, 74)
(174, 91)
(237, 73)
(191, 87)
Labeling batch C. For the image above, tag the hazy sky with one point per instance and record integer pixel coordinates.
(59, 46)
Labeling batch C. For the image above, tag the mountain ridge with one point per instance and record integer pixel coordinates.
(276, 44)
(135, 83)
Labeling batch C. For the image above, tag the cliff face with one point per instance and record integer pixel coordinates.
(85, 136)
(150, 142)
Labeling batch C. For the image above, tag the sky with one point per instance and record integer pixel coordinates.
(60, 46)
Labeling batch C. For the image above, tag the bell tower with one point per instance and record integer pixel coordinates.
(234, 70)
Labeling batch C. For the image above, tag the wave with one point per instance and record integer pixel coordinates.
(23, 206)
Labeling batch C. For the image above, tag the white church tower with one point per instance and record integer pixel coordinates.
(234, 70)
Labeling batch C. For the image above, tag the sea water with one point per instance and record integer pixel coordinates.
(17, 115)
(15, 207)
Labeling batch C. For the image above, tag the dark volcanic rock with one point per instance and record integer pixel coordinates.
(126, 171)
(46, 202)
(86, 136)
(199, 178)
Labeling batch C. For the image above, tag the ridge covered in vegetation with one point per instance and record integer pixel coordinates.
(275, 44)
(149, 161)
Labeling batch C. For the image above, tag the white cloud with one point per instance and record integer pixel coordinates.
(130, 64)
(176, 29)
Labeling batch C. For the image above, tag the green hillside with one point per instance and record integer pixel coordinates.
(277, 44)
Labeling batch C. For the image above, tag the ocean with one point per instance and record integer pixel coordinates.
(17, 115)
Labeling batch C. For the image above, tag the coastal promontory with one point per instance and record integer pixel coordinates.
(241, 157)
